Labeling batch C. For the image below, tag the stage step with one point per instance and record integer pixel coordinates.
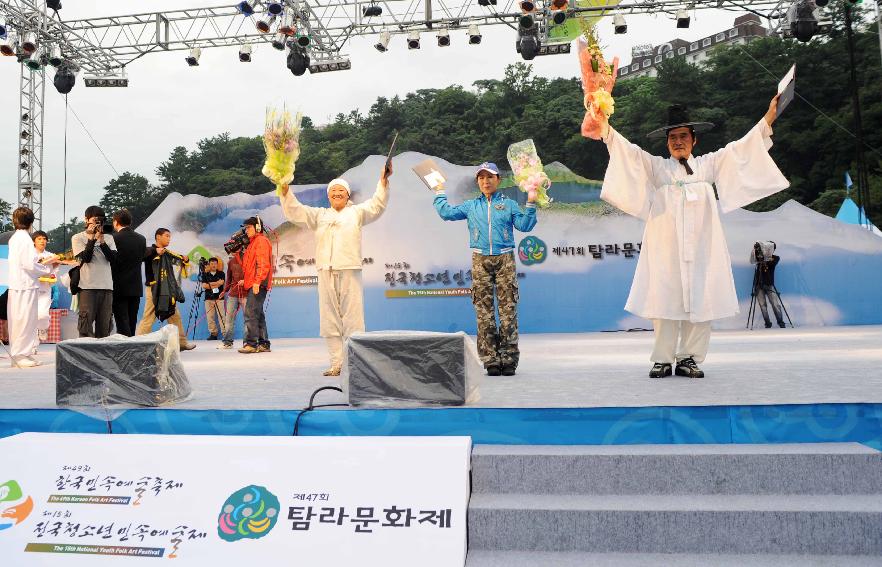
(822, 499)
(550, 559)
(810, 468)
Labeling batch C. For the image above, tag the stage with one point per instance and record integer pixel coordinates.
(763, 385)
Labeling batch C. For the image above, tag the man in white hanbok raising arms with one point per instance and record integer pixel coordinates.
(684, 278)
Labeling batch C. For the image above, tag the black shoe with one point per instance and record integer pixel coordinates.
(768, 325)
(493, 370)
(781, 324)
(688, 368)
(660, 370)
(508, 370)
(212, 337)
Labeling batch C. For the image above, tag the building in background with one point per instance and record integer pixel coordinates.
(645, 64)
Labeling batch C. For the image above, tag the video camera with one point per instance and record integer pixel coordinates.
(99, 225)
(236, 242)
(762, 251)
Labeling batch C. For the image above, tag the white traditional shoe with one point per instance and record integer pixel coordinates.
(26, 362)
(332, 371)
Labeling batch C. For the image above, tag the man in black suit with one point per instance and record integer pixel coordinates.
(127, 288)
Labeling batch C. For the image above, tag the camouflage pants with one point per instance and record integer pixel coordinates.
(496, 277)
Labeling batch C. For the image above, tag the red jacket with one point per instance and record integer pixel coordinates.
(258, 262)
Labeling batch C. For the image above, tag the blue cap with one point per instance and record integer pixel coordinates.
(487, 166)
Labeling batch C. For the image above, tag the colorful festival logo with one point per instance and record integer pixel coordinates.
(531, 251)
(11, 492)
(249, 513)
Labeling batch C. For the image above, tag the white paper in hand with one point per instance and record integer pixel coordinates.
(430, 174)
(786, 88)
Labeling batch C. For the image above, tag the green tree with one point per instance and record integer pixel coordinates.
(133, 192)
(5, 216)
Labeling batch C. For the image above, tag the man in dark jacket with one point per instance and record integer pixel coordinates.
(127, 290)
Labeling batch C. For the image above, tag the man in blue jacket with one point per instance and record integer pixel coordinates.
(492, 218)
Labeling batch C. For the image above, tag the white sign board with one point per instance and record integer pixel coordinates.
(225, 500)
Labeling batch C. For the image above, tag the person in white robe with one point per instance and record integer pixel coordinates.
(25, 269)
(683, 279)
(338, 257)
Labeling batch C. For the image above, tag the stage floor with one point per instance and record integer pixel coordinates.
(586, 370)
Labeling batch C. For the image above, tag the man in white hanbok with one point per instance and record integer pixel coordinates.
(684, 278)
(25, 269)
(338, 257)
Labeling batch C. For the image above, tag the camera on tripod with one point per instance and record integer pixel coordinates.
(236, 242)
(762, 251)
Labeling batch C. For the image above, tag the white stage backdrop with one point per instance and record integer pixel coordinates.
(204, 500)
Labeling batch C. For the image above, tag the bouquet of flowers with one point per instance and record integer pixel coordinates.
(281, 140)
(598, 78)
(527, 170)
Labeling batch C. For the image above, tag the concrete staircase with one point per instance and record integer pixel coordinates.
(707, 505)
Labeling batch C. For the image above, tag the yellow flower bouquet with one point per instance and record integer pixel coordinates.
(281, 141)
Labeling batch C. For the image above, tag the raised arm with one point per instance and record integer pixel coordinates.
(628, 182)
(297, 212)
(524, 219)
(371, 209)
(447, 211)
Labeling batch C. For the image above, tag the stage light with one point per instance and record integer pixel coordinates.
(53, 4)
(325, 65)
(802, 20)
(24, 165)
(382, 44)
(96, 81)
(527, 6)
(486, 2)
(303, 40)
(65, 79)
(29, 42)
(619, 24)
(682, 18)
(558, 17)
(526, 22)
(55, 57)
(474, 35)
(413, 40)
(286, 25)
(443, 38)
(245, 8)
(2, 30)
(278, 41)
(298, 61)
(371, 11)
(25, 152)
(25, 134)
(264, 25)
(7, 46)
(35, 61)
(193, 58)
(245, 53)
(274, 8)
(25, 117)
(528, 46)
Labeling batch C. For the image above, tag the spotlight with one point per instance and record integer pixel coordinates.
(25, 152)
(65, 79)
(527, 6)
(804, 30)
(25, 134)
(413, 40)
(486, 2)
(619, 24)
(245, 53)
(278, 41)
(245, 8)
(298, 61)
(264, 25)
(682, 18)
(55, 58)
(94, 81)
(371, 11)
(193, 58)
(474, 35)
(443, 38)
(53, 4)
(7, 46)
(35, 61)
(528, 46)
(526, 22)
(303, 40)
(286, 26)
(2, 31)
(382, 44)
(24, 165)
(274, 8)
(25, 117)
(803, 23)
(558, 17)
(29, 42)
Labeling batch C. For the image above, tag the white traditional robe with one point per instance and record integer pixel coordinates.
(338, 260)
(44, 297)
(684, 271)
(24, 273)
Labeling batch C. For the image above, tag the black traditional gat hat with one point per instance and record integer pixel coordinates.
(678, 117)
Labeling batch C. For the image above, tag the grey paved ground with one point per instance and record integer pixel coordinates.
(775, 366)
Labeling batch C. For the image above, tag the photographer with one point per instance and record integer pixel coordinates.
(212, 281)
(96, 278)
(257, 265)
(764, 282)
(127, 288)
(151, 259)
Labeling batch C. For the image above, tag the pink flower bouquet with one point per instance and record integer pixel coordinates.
(528, 173)
(598, 79)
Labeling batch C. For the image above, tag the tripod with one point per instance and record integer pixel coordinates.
(757, 284)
